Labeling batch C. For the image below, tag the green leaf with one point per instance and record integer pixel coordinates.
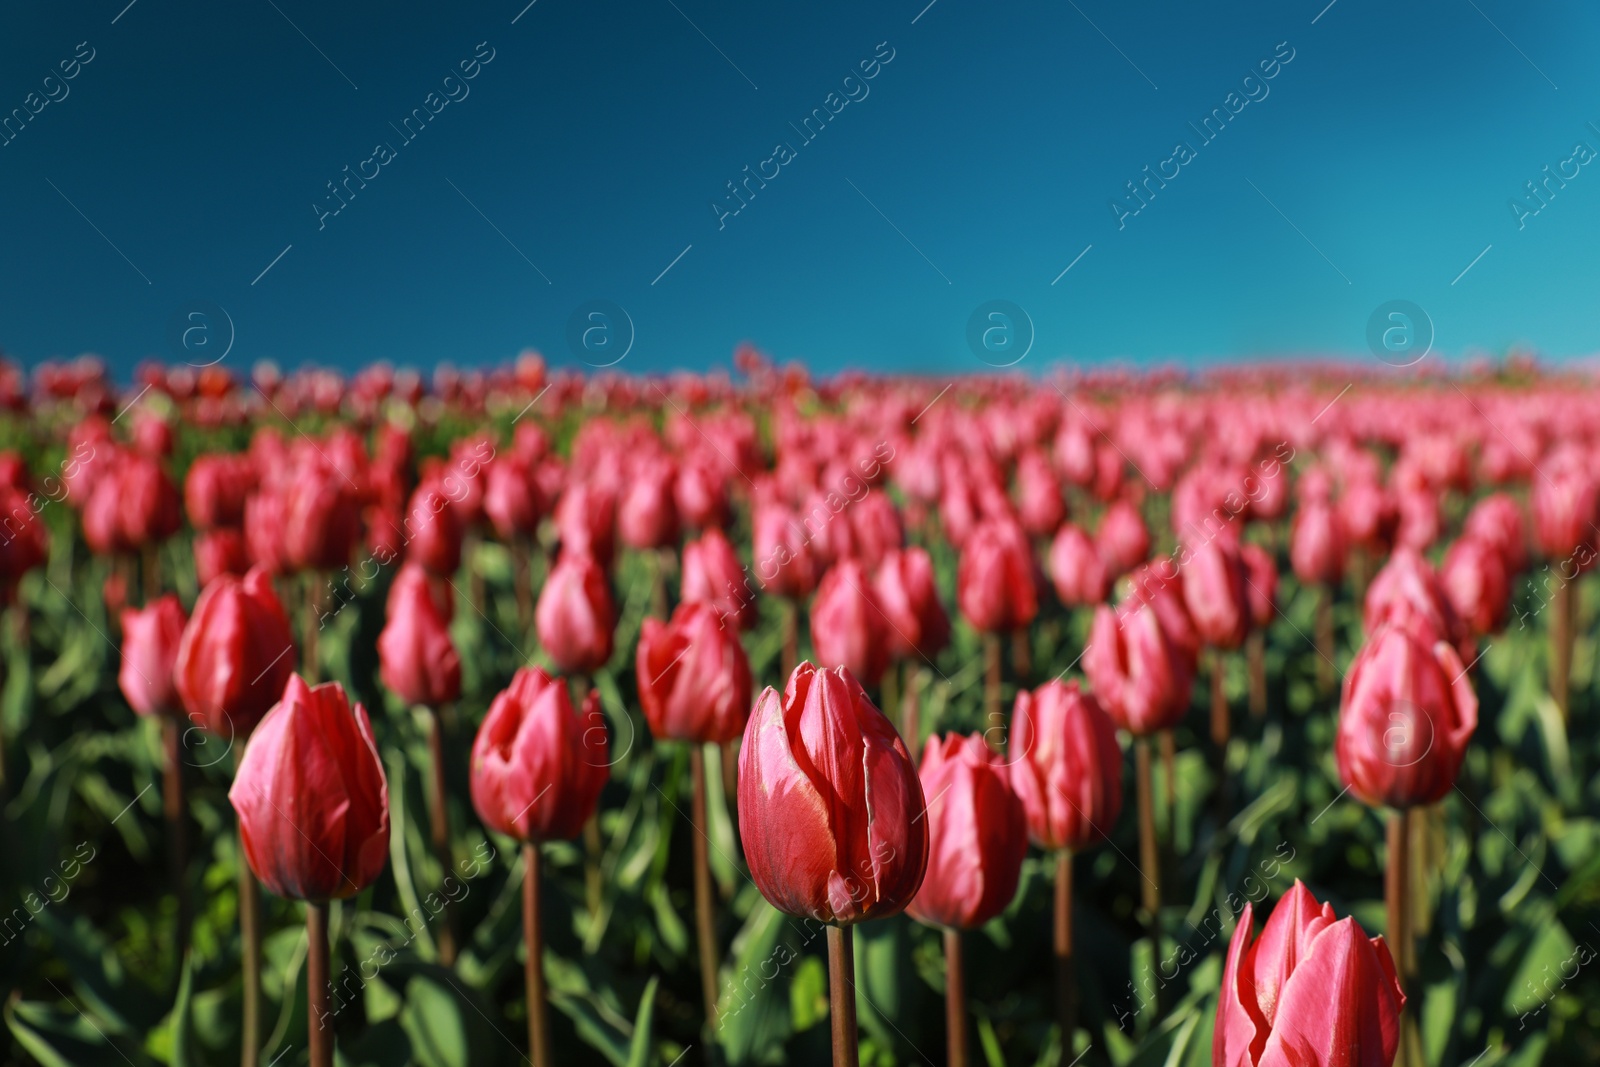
(446, 1027)
(644, 1027)
(66, 1037)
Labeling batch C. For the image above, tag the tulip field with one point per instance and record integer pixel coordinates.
(1243, 717)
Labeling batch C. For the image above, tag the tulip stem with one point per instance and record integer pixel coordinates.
(1021, 654)
(533, 936)
(313, 627)
(1325, 640)
(889, 693)
(1221, 727)
(1256, 652)
(1149, 862)
(592, 845)
(1066, 975)
(1396, 892)
(842, 996)
(910, 712)
(994, 721)
(177, 840)
(522, 580)
(704, 915)
(658, 581)
(250, 937)
(791, 636)
(1169, 781)
(1561, 648)
(151, 584)
(439, 831)
(955, 999)
(319, 1031)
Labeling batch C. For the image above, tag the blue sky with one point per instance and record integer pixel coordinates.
(189, 160)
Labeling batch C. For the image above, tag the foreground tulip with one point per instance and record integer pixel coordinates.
(538, 768)
(313, 806)
(1312, 991)
(847, 626)
(574, 616)
(831, 817)
(694, 677)
(236, 655)
(977, 840)
(1066, 768)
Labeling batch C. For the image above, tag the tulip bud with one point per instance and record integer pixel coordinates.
(1215, 593)
(574, 616)
(712, 574)
(1317, 543)
(150, 638)
(434, 530)
(694, 677)
(1407, 591)
(1066, 766)
(995, 579)
(236, 655)
(977, 835)
(263, 531)
(537, 765)
(312, 799)
(830, 807)
(1369, 513)
(1140, 673)
(321, 516)
(1313, 989)
(511, 498)
(24, 541)
(1076, 570)
(847, 625)
(647, 516)
(1566, 503)
(784, 561)
(1475, 581)
(1122, 541)
(1497, 520)
(700, 494)
(150, 509)
(1261, 584)
(219, 551)
(1040, 508)
(1407, 713)
(905, 590)
(416, 658)
(876, 527)
(586, 521)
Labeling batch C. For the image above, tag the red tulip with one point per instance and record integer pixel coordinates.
(875, 524)
(1407, 713)
(1076, 569)
(1122, 541)
(1317, 543)
(1215, 591)
(995, 579)
(830, 807)
(977, 835)
(917, 625)
(537, 765)
(321, 515)
(1261, 584)
(586, 521)
(647, 516)
(1066, 766)
(1566, 504)
(236, 655)
(24, 541)
(1041, 508)
(712, 574)
(150, 638)
(148, 501)
(311, 796)
(1497, 520)
(1369, 514)
(1141, 674)
(1407, 591)
(215, 489)
(416, 658)
(152, 435)
(102, 516)
(700, 493)
(574, 616)
(434, 530)
(694, 677)
(1475, 581)
(848, 628)
(511, 498)
(1312, 991)
(784, 559)
(263, 531)
(219, 551)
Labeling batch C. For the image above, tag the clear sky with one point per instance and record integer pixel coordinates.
(186, 164)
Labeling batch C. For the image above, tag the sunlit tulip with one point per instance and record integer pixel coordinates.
(574, 617)
(693, 675)
(1066, 766)
(236, 655)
